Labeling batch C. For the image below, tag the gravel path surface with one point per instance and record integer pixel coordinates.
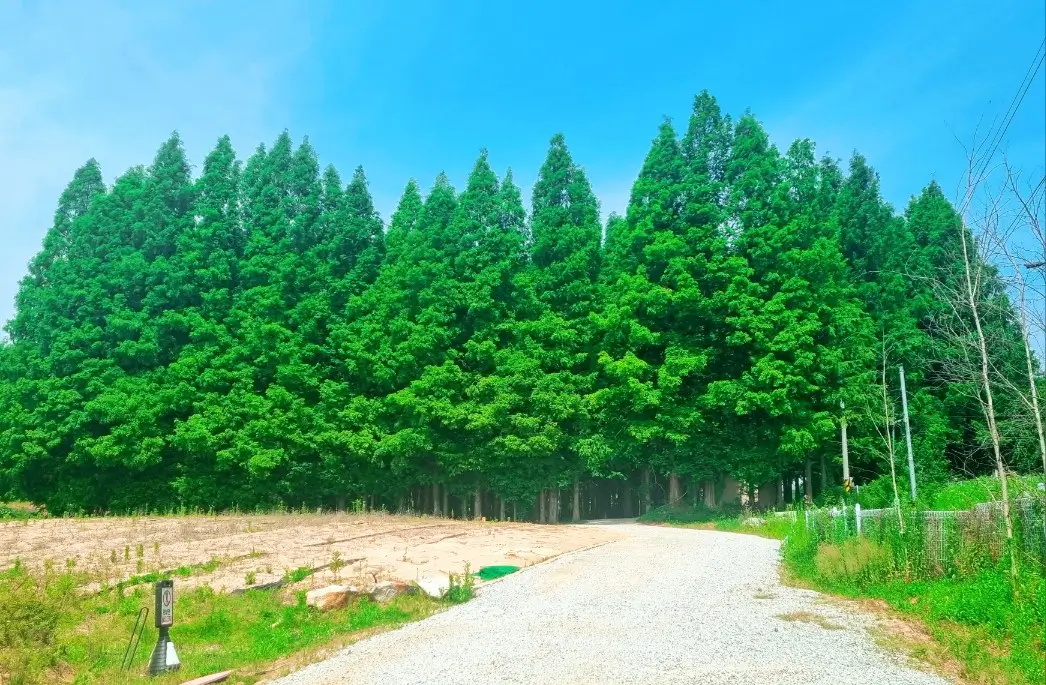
(663, 605)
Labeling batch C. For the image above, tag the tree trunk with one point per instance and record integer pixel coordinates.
(341, 504)
(576, 515)
(400, 506)
(541, 506)
(477, 507)
(780, 490)
(673, 489)
(644, 493)
(709, 492)
(1031, 380)
(515, 516)
(989, 404)
(435, 499)
(446, 500)
(824, 473)
(808, 482)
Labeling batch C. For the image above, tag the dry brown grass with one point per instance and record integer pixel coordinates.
(854, 558)
(809, 617)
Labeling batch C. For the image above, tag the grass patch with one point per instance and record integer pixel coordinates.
(965, 494)
(974, 623)
(49, 633)
(727, 520)
(952, 496)
(17, 511)
(180, 572)
(298, 574)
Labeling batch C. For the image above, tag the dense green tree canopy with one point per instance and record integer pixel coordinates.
(256, 335)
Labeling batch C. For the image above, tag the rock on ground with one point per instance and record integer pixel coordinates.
(332, 597)
(434, 587)
(661, 606)
(388, 590)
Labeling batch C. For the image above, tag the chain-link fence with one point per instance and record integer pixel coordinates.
(941, 542)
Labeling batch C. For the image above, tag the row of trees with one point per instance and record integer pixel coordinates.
(256, 336)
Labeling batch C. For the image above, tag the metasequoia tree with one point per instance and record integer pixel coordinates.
(256, 336)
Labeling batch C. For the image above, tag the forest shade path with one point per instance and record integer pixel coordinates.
(662, 605)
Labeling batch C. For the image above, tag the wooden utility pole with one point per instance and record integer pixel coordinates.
(907, 433)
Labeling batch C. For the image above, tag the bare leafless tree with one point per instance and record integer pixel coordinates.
(1010, 241)
(973, 266)
(884, 425)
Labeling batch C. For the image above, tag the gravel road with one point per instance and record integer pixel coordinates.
(662, 605)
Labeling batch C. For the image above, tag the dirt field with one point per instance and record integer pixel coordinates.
(230, 552)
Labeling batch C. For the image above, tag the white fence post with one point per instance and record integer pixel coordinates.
(857, 517)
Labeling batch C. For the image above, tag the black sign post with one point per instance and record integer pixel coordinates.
(164, 657)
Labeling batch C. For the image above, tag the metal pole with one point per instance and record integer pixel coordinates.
(846, 452)
(1041, 266)
(907, 433)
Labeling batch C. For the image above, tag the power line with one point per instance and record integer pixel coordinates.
(1011, 112)
(1018, 98)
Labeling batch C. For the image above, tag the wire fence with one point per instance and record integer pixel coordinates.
(941, 542)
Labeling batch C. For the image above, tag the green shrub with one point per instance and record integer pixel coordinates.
(461, 588)
(31, 611)
(689, 514)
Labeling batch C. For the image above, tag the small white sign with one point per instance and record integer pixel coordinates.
(171, 658)
(166, 606)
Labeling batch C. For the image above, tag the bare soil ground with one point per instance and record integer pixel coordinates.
(230, 552)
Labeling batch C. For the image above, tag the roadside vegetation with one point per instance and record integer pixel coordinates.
(727, 519)
(987, 622)
(54, 630)
(990, 620)
(952, 495)
(71, 588)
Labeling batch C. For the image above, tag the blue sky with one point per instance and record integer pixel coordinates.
(408, 89)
